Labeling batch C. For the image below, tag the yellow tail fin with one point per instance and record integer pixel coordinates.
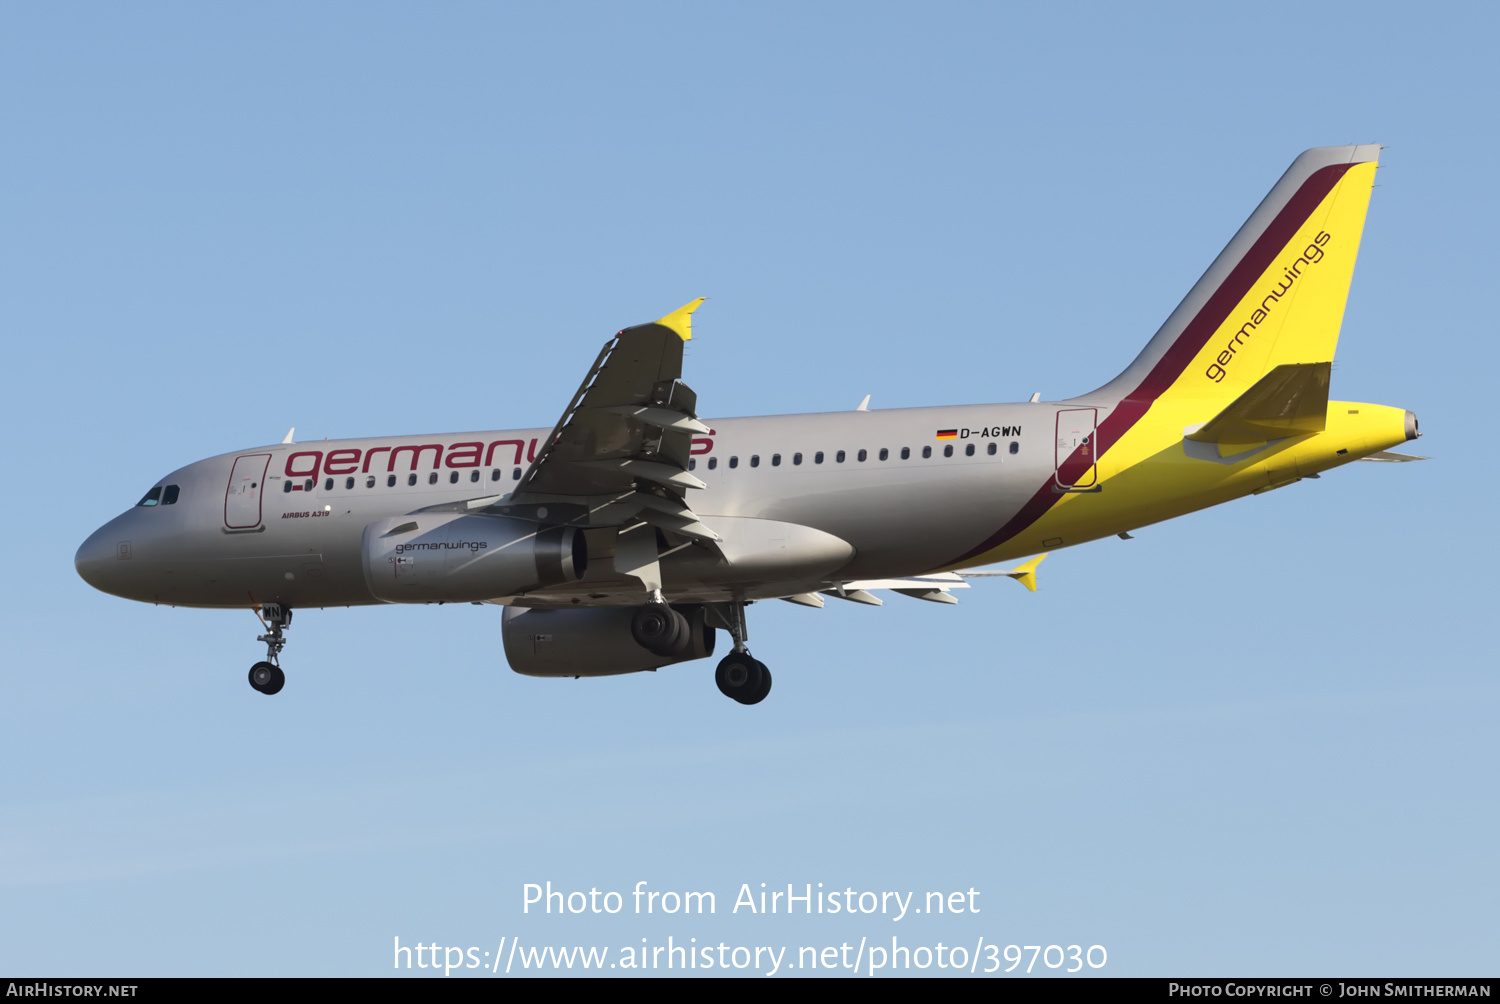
(1274, 296)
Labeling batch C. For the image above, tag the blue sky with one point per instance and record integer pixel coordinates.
(1255, 740)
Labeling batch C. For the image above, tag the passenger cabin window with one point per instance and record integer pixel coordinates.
(473, 475)
(948, 450)
(713, 463)
(495, 474)
(328, 484)
(885, 454)
(838, 457)
(286, 489)
(906, 453)
(432, 478)
(926, 452)
(969, 450)
(453, 478)
(411, 480)
(370, 481)
(796, 459)
(755, 460)
(775, 460)
(348, 483)
(390, 481)
(169, 495)
(734, 462)
(992, 448)
(863, 455)
(818, 457)
(516, 474)
(692, 464)
(1015, 448)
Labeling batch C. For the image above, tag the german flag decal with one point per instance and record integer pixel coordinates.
(947, 434)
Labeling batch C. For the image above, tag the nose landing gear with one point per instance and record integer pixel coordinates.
(267, 676)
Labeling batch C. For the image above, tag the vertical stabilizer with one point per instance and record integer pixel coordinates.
(1274, 296)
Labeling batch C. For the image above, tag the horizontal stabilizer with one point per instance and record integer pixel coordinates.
(1387, 457)
(1291, 400)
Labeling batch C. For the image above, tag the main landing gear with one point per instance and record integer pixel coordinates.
(743, 678)
(740, 675)
(267, 676)
(658, 628)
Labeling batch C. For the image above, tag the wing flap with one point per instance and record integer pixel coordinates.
(687, 526)
(647, 470)
(931, 595)
(662, 418)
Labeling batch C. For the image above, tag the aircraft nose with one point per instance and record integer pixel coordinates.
(98, 558)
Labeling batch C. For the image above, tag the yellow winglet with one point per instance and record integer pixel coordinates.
(1026, 574)
(681, 319)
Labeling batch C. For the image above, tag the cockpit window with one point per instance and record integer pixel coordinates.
(169, 495)
(153, 497)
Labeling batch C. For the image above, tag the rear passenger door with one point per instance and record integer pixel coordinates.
(1075, 457)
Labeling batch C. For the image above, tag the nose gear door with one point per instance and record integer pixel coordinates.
(247, 483)
(1077, 430)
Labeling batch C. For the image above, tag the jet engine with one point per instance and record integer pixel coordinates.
(448, 558)
(592, 641)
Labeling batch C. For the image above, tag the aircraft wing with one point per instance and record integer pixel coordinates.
(935, 587)
(622, 446)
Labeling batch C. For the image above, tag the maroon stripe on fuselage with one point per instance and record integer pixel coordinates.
(1123, 416)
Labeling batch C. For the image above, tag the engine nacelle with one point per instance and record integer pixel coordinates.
(591, 641)
(451, 558)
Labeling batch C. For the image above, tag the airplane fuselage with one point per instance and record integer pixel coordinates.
(909, 490)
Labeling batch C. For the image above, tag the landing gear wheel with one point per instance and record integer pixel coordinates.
(658, 628)
(267, 678)
(765, 686)
(743, 678)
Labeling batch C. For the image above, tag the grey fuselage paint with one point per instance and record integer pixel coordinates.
(900, 516)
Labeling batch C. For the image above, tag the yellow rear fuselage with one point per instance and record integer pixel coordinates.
(1156, 473)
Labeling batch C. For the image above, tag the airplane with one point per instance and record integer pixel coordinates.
(623, 537)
